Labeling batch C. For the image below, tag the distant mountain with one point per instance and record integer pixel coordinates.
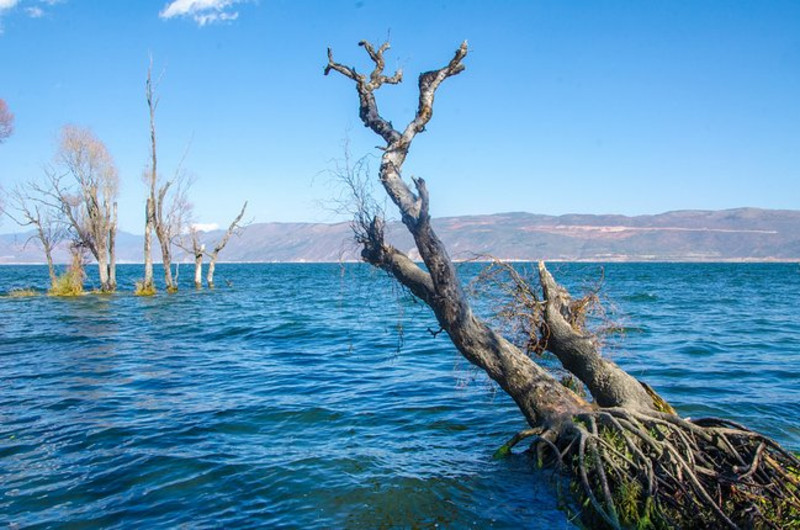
(687, 235)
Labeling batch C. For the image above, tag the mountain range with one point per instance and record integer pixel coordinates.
(742, 234)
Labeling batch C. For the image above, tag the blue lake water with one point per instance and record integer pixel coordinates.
(314, 396)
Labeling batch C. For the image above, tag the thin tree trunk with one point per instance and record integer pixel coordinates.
(102, 266)
(51, 269)
(148, 246)
(221, 245)
(212, 263)
(198, 270)
(112, 249)
(167, 264)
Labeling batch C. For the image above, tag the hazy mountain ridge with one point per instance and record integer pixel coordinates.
(686, 235)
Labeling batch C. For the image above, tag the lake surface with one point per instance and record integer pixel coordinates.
(314, 396)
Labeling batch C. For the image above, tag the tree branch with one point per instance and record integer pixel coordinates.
(609, 384)
(368, 107)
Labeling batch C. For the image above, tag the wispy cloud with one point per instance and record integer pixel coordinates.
(31, 8)
(205, 227)
(201, 11)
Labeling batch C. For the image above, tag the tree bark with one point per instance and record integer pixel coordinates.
(212, 265)
(148, 285)
(198, 271)
(112, 249)
(576, 348)
(197, 251)
(102, 267)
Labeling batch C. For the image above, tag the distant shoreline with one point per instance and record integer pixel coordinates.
(558, 260)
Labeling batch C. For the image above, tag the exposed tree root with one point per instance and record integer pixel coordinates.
(656, 470)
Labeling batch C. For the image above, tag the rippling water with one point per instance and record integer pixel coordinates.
(313, 395)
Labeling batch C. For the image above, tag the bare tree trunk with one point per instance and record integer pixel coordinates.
(198, 271)
(112, 249)
(212, 264)
(221, 245)
(102, 266)
(198, 251)
(150, 208)
(540, 397)
(51, 269)
(165, 224)
(167, 264)
(148, 285)
(47, 245)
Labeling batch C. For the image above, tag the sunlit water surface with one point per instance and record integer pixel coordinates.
(315, 396)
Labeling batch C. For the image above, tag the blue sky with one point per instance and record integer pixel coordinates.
(565, 106)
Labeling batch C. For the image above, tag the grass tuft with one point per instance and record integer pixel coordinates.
(144, 290)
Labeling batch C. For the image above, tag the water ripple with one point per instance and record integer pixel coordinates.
(290, 400)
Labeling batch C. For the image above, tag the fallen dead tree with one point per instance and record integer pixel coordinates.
(632, 461)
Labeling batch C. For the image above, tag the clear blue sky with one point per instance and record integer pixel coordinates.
(565, 106)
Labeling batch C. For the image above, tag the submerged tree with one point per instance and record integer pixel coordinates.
(235, 226)
(632, 459)
(167, 207)
(87, 195)
(28, 207)
(198, 249)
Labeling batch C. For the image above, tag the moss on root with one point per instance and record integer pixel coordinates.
(653, 470)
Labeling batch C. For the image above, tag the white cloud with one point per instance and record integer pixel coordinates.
(33, 11)
(205, 227)
(201, 11)
(5, 5)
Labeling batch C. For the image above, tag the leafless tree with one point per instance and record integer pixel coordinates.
(86, 192)
(6, 121)
(630, 456)
(167, 208)
(29, 208)
(234, 227)
(198, 250)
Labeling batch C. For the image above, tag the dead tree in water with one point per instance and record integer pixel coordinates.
(166, 210)
(214, 254)
(88, 199)
(198, 250)
(633, 460)
(32, 209)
